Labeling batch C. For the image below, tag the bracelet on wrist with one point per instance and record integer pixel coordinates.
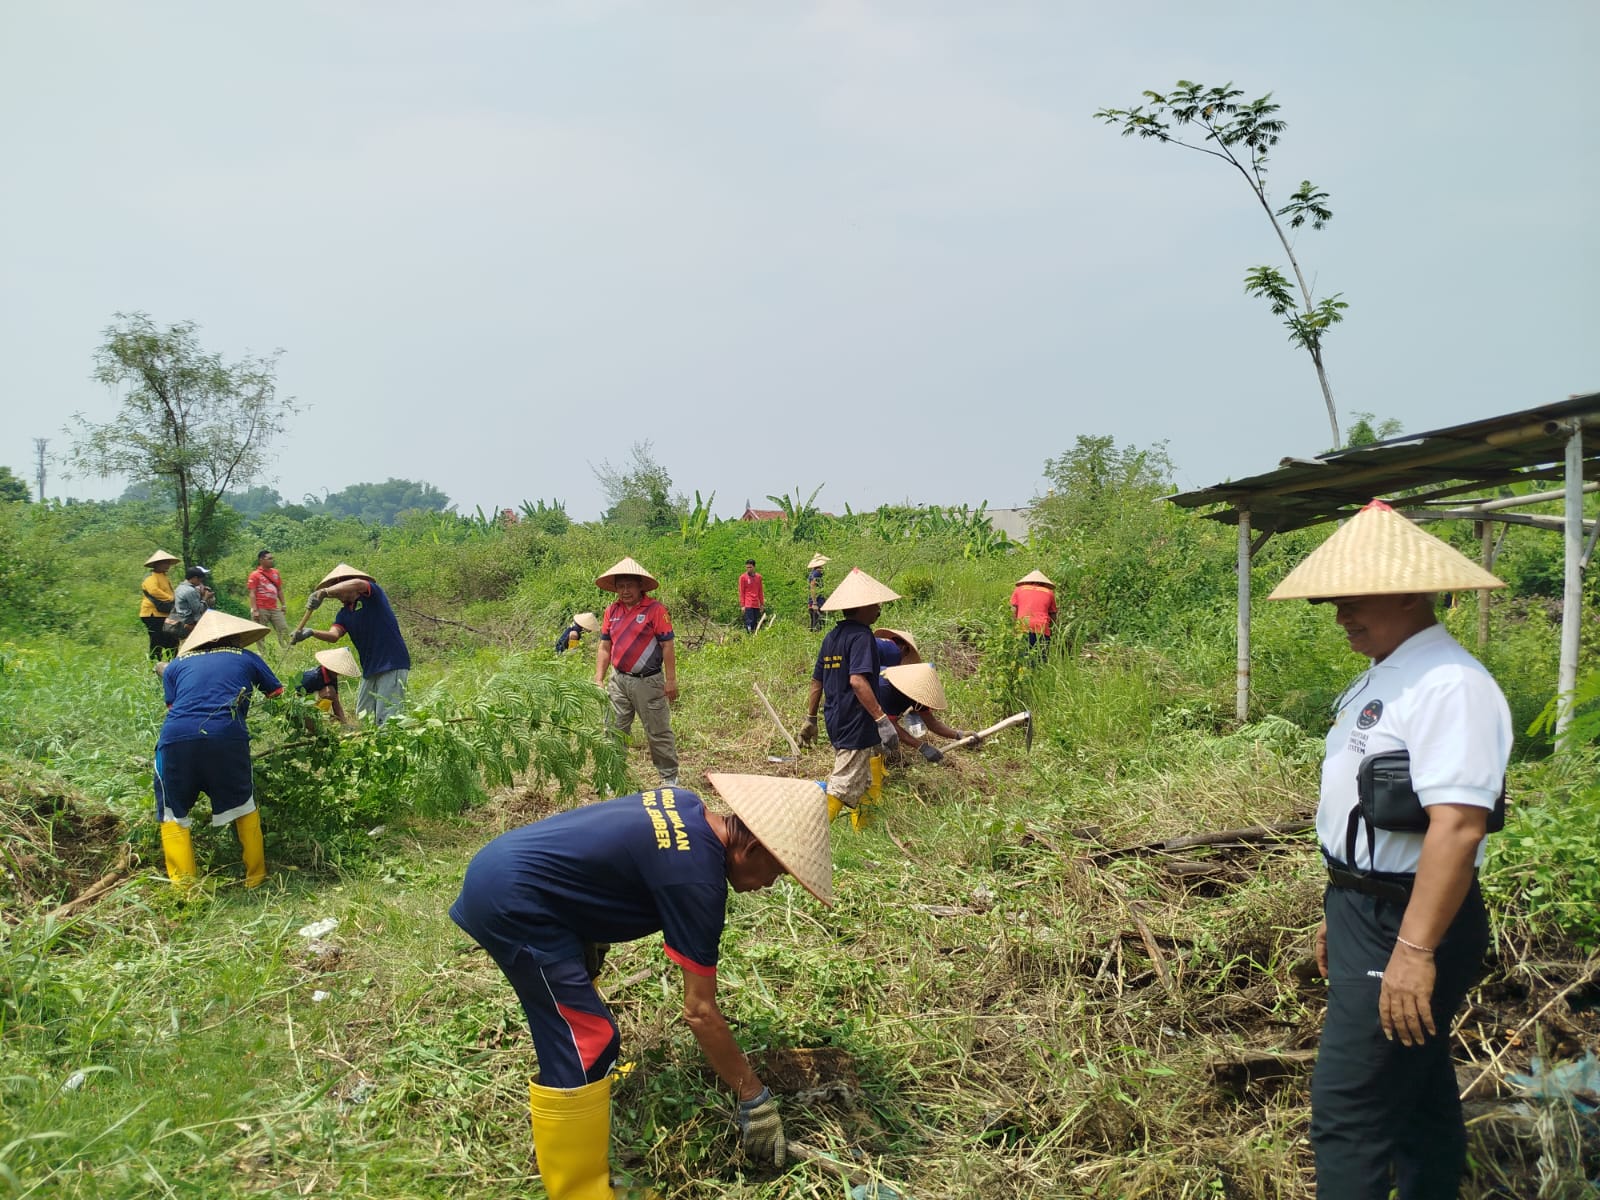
(1413, 946)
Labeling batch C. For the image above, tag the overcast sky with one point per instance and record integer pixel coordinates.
(880, 247)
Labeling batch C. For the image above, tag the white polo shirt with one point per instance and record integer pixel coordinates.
(1434, 699)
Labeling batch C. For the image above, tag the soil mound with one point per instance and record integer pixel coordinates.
(54, 841)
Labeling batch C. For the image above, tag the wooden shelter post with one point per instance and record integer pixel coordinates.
(1572, 592)
(1485, 532)
(1241, 703)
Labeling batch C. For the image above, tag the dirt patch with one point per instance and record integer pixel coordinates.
(53, 841)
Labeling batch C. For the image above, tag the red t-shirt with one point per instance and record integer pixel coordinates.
(265, 586)
(1035, 604)
(636, 634)
(751, 594)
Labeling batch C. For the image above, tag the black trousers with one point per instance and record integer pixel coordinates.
(161, 645)
(752, 618)
(1378, 1106)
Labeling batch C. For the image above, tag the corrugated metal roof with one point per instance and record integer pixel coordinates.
(1516, 447)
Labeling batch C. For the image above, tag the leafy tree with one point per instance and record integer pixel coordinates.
(13, 489)
(1242, 135)
(640, 493)
(190, 424)
(1088, 483)
(253, 502)
(1365, 433)
(381, 503)
(805, 520)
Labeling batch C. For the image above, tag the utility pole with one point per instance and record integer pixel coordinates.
(39, 444)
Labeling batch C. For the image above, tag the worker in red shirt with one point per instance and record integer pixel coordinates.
(636, 640)
(265, 587)
(1033, 602)
(752, 597)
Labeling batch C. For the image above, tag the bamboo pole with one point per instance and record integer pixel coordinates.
(1241, 703)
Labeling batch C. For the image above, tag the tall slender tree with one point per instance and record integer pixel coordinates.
(189, 422)
(1241, 135)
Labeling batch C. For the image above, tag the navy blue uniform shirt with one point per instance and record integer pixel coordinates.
(848, 649)
(208, 694)
(375, 633)
(609, 872)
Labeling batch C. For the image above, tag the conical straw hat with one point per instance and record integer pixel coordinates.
(340, 661)
(159, 557)
(790, 818)
(1038, 577)
(1378, 552)
(910, 653)
(342, 572)
(919, 681)
(858, 590)
(608, 581)
(818, 560)
(587, 620)
(216, 626)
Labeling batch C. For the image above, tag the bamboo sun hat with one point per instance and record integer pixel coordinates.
(1378, 552)
(159, 557)
(912, 654)
(858, 590)
(608, 581)
(216, 627)
(1038, 577)
(340, 661)
(918, 681)
(790, 818)
(341, 573)
(587, 621)
(818, 560)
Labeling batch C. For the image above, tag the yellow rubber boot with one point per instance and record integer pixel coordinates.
(178, 849)
(248, 827)
(572, 1140)
(834, 807)
(874, 796)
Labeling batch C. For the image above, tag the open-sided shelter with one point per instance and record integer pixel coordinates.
(1440, 473)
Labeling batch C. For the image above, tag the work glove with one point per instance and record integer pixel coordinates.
(930, 752)
(887, 734)
(963, 736)
(298, 636)
(314, 601)
(808, 731)
(761, 1130)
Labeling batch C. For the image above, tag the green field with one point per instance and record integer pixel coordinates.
(1015, 995)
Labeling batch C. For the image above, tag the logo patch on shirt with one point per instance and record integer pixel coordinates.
(1370, 715)
(639, 620)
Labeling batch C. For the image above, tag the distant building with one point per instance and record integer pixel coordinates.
(1013, 522)
(762, 514)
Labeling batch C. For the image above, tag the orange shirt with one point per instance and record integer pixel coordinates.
(1035, 604)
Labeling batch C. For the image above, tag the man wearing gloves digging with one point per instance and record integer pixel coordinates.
(1413, 777)
(913, 690)
(204, 745)
(369, 619)
(846, 675)
(540, 898)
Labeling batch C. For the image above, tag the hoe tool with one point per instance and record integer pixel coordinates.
(1022, 718)
(773, 713)
(312, 603)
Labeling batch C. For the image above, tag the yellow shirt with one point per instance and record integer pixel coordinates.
(158, 585)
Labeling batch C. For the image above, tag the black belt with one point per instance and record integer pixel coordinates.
(645, 674)
(1384, 885)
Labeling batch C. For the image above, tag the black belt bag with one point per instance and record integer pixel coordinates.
(1386, 800)
(1396, 889)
